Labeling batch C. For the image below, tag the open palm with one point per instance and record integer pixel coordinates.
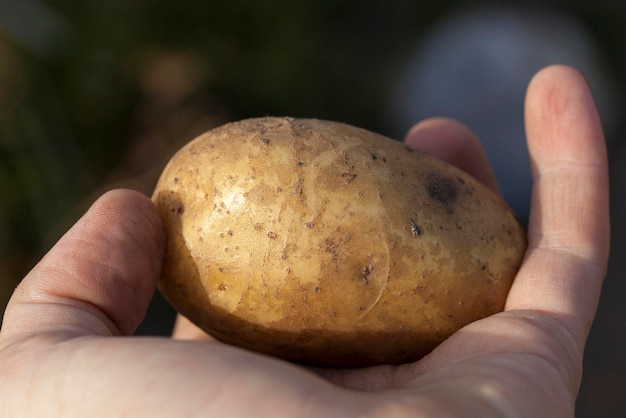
(65, 348)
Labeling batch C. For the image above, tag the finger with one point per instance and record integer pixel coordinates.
(454, 143)
(569, 223)
(184, 329)
(100, 276)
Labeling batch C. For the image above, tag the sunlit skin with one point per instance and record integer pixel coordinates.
(65, 348)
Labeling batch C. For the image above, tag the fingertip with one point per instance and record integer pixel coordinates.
(563, 74)
(455, 143)
(184, 329)
(139, 210)
(560, 107)
(136, 217)
(429, 132)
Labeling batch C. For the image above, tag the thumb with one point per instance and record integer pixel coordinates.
(99, 278)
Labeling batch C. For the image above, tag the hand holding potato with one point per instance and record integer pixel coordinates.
(64, 348)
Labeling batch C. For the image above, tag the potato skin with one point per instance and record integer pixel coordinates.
(326, 244)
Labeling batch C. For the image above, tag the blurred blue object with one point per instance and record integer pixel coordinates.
(474, 66)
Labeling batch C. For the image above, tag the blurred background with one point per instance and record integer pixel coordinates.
(97, 95)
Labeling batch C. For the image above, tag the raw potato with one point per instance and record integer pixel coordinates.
(321, 243)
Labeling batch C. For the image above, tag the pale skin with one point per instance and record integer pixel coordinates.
(65, 348)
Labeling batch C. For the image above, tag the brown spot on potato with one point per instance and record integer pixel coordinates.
(441, 189)
(178, 210)
(348, 177)
(299, 129)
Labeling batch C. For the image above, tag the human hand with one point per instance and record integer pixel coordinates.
(65, 350)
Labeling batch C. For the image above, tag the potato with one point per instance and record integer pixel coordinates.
(325, 244)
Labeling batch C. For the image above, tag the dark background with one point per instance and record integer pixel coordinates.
(96, 95)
